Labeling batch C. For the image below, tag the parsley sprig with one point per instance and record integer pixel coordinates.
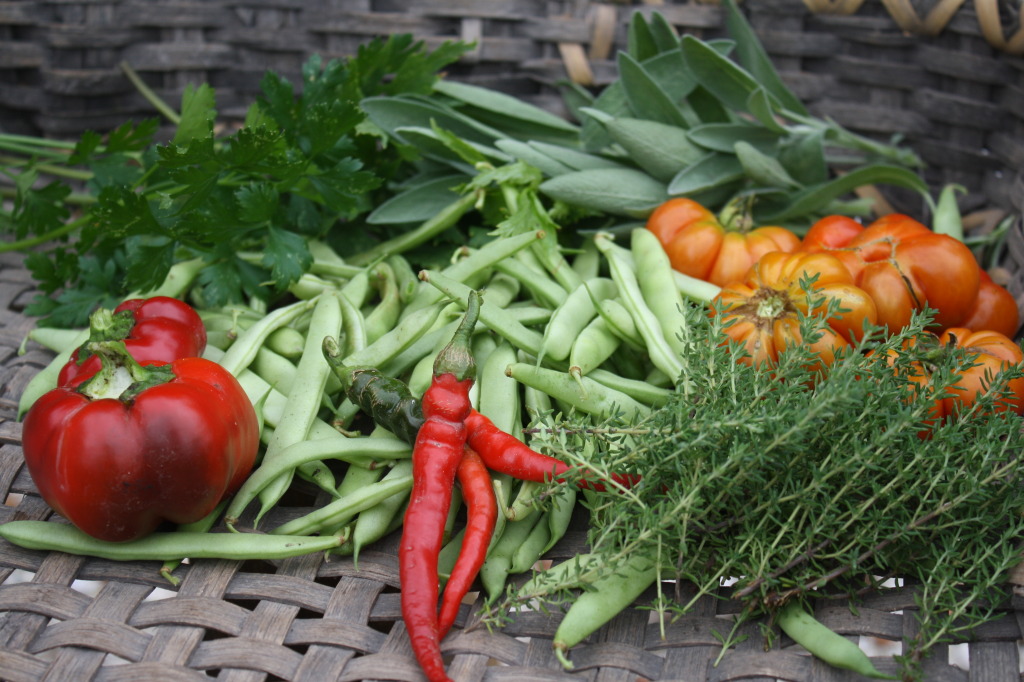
(111, 214)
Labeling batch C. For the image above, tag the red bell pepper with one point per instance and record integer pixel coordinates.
(134, 446)
(157, 329)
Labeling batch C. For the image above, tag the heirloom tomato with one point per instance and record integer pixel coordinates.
(988, 352)
(700, 245)
(994, 309)
(763, 312)
(903, 266)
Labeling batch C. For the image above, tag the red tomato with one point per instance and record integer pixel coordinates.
(765, 309)
(904, 266)
(699, 245)
(990, 351)
(995, 309)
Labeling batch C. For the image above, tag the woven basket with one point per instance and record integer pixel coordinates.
(956, 97)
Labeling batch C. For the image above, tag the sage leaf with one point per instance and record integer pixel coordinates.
(761, 105)
(752, 55)
(437, 146)
(640, 41)
(665, 36)
(646, 97)
(720, 75)
(812, 199)
(803, 155)
(575, 159)
(763, 169)
(418, 203)
(661, 150)
(511, 115)
(722, 137)
(714, 170)
(622, 192)
(391, 113)
(533, 156)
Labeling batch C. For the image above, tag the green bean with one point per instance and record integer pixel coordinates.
(404, 334)
(661, 354)
(529, 552)
(592, 346)
(345, 509)
(45, 379)
(496, 568)
(499, 402)
(326, 261)
(163, 546)
(385, 314)
(654, 275)
(309, 286)
(483, 258)
(358, 450)
(607, 596)
(445, 218)
(56, 339)
(497, 319)
(286, 341)
(587, 262)
(305, 397)
(574, 313)
(356, 477)
(275, 369)
(825, 644)
(620, 322)
(544, 290)
(375, 522)
(203, 525)
(598, 400)
(527, 500)
(639, 389)
(243, 351)
(354, 326)
(559, 517)
(405, 278)
(571, 570)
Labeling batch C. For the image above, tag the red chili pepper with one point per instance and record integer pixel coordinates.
(482, 514)
(157, 329)
(134, 446)
(435, 459)
(505, 453)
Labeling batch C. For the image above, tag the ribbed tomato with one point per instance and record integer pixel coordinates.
(698, 244)
(763, 312)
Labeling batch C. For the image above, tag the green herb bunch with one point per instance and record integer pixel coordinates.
(793, 487)
(304, 165)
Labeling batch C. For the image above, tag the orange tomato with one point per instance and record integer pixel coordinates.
(765, 309)
(904, 266)
(989, 351)
(701, 246)
(995, 309)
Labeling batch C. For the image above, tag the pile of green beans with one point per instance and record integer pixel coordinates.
(591, 331)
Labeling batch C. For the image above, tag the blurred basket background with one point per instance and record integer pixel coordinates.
(946, 76)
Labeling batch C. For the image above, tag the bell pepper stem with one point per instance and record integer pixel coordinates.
(121, 377)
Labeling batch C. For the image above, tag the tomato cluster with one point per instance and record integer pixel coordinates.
(878, 275)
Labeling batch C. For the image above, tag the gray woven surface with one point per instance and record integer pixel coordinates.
(65, 617)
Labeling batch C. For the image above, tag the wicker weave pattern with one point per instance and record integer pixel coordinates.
(958, 101)
(64, 617)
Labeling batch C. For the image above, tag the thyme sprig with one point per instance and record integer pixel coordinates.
(798, 489)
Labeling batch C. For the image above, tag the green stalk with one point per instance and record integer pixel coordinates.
(43, 238)
(161, 106)
(446, 218)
